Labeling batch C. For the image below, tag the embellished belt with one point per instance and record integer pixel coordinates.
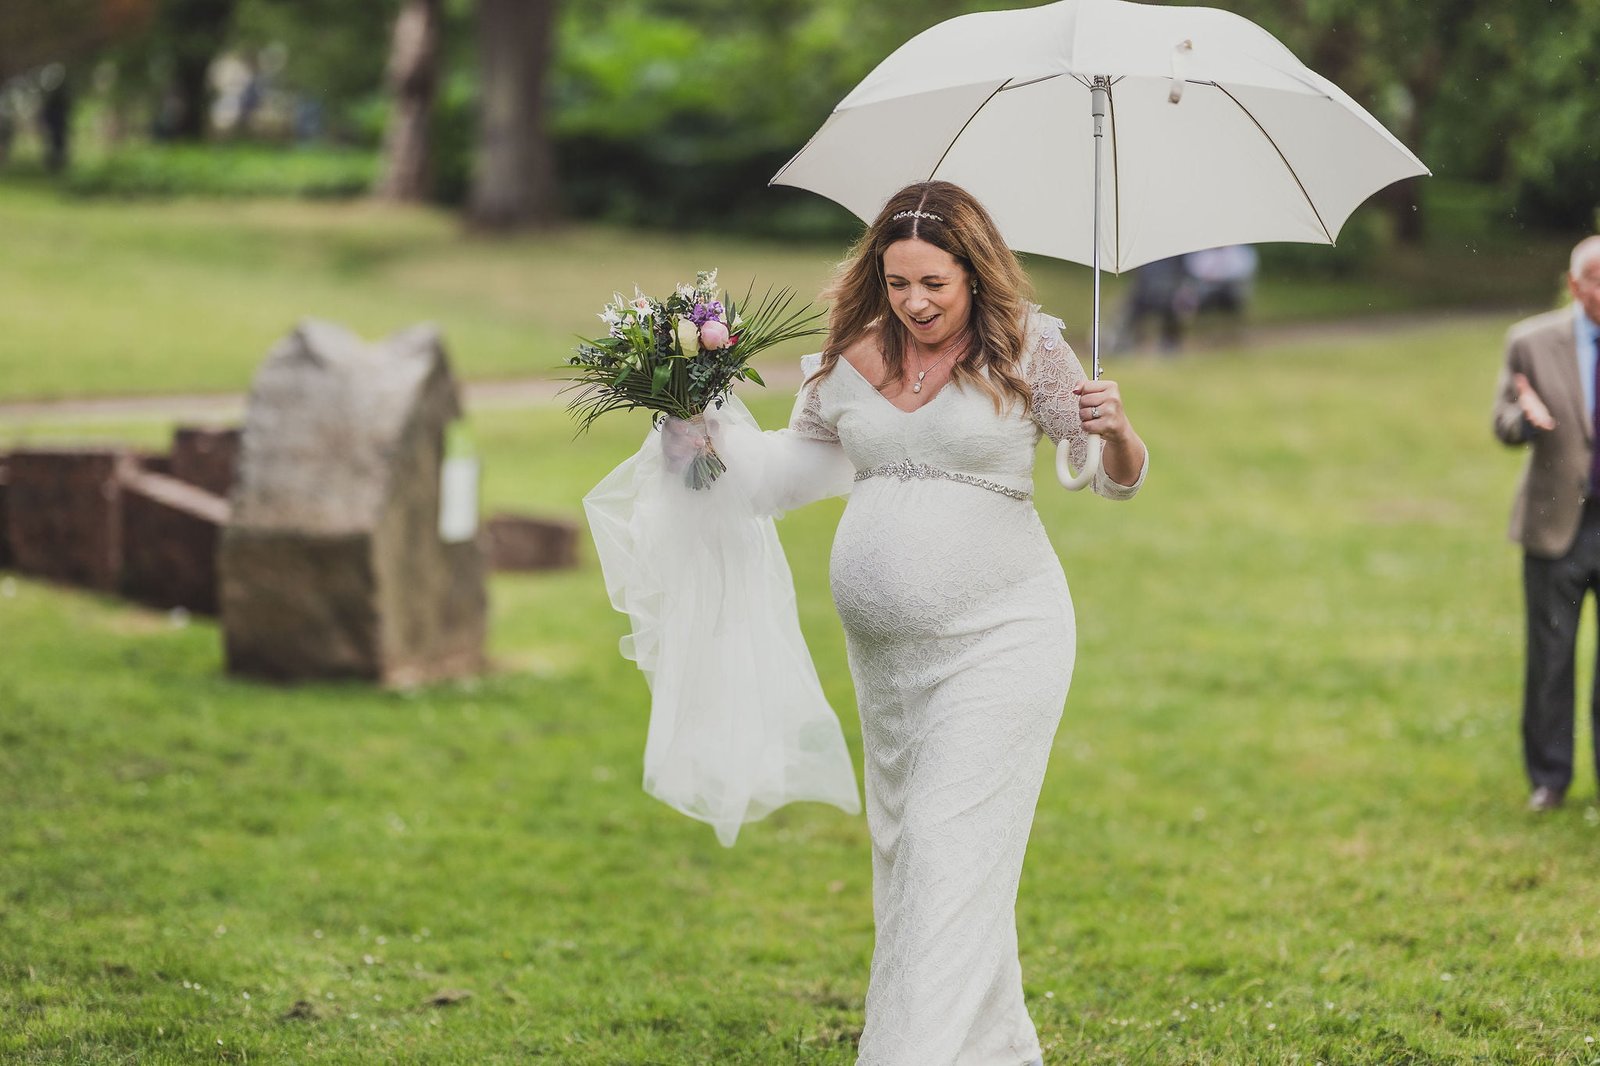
(906, 470)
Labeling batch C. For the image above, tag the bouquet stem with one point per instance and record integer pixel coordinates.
(707, 465)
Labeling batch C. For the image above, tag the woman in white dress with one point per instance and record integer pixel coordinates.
(936, 384)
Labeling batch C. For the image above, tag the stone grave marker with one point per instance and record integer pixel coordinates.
(338, 560)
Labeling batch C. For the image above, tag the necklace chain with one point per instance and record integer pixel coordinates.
(916, 386)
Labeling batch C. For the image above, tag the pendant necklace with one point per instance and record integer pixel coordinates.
(916, 386)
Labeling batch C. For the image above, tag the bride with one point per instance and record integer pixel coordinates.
(926, 406)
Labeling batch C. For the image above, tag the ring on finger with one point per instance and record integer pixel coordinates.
(1094, 412)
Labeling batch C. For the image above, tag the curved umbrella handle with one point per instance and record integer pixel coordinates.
(1091, 465)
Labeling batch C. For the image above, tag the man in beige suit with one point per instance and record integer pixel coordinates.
(1546, 399)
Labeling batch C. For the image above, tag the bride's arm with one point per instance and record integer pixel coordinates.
(1055, 376)
(777, 470)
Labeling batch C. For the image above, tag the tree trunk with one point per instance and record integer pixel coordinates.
(514, 181)
(191, 91)
(414, 83)
(198, 30)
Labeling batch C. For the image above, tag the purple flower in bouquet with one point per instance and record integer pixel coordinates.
(680, 356)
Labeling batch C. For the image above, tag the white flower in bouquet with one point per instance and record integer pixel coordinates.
(680, 357)
(688, 336)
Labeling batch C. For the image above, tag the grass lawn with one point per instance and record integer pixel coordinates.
(102, 297)
(1282, 823)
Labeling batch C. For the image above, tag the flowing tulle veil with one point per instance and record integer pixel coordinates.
(739, 725)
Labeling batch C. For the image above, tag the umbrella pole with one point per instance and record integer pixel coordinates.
(1099, 95)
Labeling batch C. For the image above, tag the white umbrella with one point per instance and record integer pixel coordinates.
(1213, 134)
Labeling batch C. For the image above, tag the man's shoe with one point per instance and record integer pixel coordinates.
(1544, 799)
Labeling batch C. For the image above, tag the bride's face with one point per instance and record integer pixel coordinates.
(929, 290)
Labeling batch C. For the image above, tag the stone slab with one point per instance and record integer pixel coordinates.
(523, 542)
(296, 607)
(5, 493)
(64, 514)
(206, 456)
(170, 534)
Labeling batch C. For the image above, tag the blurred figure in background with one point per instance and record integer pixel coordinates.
(1176, 291)
(1153, 294)
(55, 116)
(1546, 399)
(1218, 279)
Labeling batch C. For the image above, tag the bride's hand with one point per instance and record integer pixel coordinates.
(1100, 408)
(680, 442)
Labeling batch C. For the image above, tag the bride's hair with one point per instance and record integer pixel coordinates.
(950, 218)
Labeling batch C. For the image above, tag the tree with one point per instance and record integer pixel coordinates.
(36, 32)
(414, 82)
(192, 33)
(514, 179)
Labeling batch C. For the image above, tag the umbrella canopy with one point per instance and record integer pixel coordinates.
(1215, 134)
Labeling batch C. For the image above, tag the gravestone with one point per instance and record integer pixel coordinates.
(170, 534)
(344, 555)
(5, 534)
(64, 513)
(205, 456)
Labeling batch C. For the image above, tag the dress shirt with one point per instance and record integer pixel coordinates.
(1585, 333)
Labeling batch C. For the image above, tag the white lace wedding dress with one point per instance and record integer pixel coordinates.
(960, 634)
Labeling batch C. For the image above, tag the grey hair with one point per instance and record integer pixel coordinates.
(1587, 251)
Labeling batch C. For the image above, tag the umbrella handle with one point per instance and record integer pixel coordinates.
(1091, 465)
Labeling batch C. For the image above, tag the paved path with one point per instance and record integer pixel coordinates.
(532, 392)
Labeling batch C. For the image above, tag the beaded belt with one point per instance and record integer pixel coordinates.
(906, 470)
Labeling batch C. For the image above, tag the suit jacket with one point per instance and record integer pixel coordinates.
(1555, 483)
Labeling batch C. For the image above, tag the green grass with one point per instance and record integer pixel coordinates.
(102, 297)
(1282, 823)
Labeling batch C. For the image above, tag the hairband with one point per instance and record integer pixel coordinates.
(917, 214)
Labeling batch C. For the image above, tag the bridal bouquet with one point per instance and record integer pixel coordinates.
(680, 356)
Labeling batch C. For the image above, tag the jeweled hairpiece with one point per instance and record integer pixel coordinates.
(917, 214)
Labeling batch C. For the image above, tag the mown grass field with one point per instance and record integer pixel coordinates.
(1282, 825)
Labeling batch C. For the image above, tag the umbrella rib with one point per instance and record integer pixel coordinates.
(943, 155)
(1288, 165)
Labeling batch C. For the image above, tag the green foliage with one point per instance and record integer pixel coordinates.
(230, 170)
(1555, 112)
(1282, 822)
(334, 53)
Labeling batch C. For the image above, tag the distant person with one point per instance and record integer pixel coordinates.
(55, 117)
(8, 128)
(1153, 294)
(1545, 398)
(1218, 279)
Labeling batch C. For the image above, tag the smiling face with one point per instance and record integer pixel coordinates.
(929, 290)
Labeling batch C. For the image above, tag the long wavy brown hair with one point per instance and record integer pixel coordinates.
(859, 294)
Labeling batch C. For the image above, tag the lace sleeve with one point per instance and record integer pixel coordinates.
(1052, 371)
(807, 420)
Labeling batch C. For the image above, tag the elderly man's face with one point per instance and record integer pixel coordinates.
(1585, 286)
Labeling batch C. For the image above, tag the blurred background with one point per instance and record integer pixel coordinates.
(672, 114)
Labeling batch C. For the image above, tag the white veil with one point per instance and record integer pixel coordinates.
(738, 722)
